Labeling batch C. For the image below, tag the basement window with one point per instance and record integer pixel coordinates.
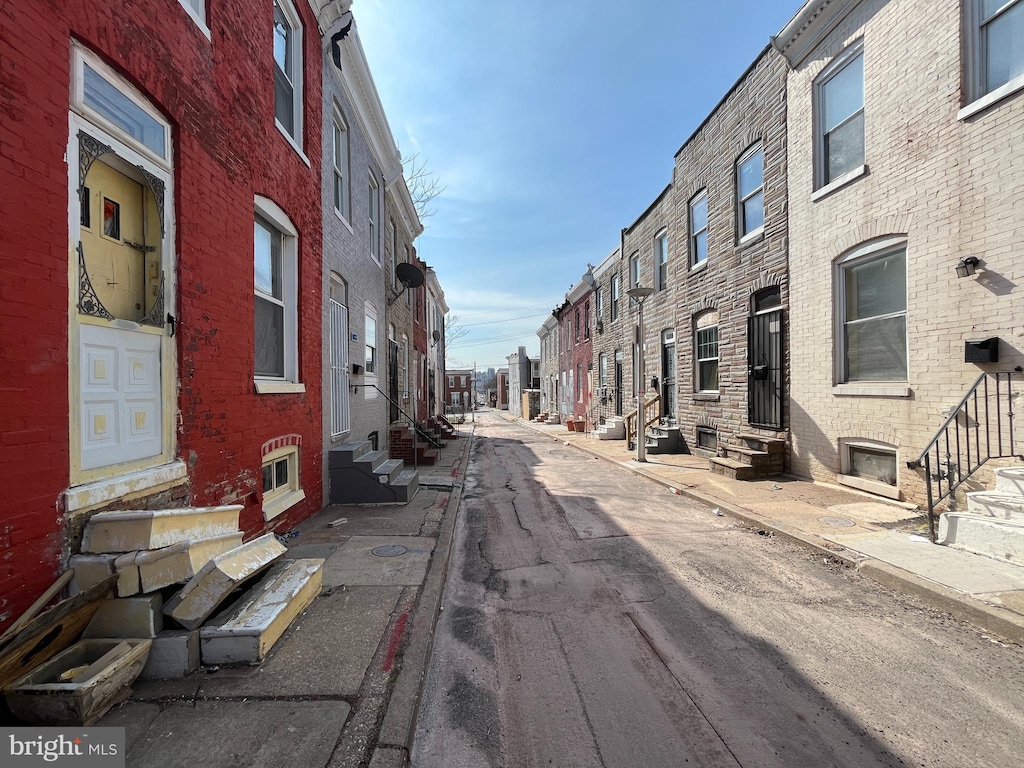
(707, 438)
(281, 489)
(869, 466)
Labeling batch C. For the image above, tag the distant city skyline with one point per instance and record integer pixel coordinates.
(550, 130)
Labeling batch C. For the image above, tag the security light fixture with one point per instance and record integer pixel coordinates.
(966, 266)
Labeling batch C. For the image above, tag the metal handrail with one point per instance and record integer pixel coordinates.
(419, 430)
(960, 449)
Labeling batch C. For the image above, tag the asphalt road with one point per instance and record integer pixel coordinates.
(592, 618)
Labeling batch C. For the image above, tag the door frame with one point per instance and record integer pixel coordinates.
(131, 153)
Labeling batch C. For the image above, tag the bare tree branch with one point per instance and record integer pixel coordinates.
(423, 185)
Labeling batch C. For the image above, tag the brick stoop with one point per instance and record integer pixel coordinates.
(757, 457)
(404, 444)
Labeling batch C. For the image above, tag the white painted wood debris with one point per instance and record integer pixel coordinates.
(247, 632)
(199, 598)
(131, 530)
(176, 564)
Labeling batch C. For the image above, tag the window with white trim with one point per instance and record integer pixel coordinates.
(281, 487)
(602, 370)
(661, 260)
(871, 308)
(615, 288)
(634, 270)
(839, 116)
(994, 38)
(288, 69)
(197, 10)
(370, 363)
(699, 228)
(339, 159)
(275, 262)
(599, 303)
(750, 192)
(706, 351)
(374, 214)
(586, 320)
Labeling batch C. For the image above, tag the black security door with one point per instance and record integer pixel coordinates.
(764, 369)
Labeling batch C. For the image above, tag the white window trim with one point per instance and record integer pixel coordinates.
(660, 284)
(864, 252)
(373, 219)
(345, 211)
(694, 263)
(838, 183)
(634, 269)
(697, 360)
(280, 501)
(125, 486)
(298, 65)
(837, 64)
(271, 212)
(861, 483)
(978, 100)
(81, 57)
(741, 236)
(371, 379)
(199, 17)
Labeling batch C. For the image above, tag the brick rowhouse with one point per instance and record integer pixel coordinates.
(213, 84)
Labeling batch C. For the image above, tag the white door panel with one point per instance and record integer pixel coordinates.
(121, 395)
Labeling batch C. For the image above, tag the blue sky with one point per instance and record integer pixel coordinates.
(552, 125)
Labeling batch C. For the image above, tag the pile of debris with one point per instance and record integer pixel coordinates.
(171, 570)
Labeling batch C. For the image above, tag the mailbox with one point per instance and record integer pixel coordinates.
(981, 350)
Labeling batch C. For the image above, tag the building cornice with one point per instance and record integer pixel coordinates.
(809, 27)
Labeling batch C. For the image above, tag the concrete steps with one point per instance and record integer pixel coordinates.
(753, 458)
(993, 524)
(360, 475)
(662, 439)
(614, 428)
(247, 631)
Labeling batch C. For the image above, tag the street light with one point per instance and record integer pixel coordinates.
(639, 294)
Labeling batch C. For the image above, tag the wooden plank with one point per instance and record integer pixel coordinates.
(44, 598)
(51, 632)
(101, 663)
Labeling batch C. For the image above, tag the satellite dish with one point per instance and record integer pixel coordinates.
(436, 336)
(409, 275)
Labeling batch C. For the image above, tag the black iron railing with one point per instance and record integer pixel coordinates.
(981, 427)
(412, 422)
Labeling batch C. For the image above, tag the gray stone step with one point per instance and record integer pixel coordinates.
(389, 469)
(135, 529)
(346, 454)
(406, 485)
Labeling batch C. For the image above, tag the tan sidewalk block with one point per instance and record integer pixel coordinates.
(178, 563)
(250, 629)
(198, 599)
(130, 530)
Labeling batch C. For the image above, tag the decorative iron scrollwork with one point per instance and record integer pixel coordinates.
(156, 186)
(88, 302)
(89, 148)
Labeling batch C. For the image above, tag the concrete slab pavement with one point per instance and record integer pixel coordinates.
(886, 541)
(342, 685)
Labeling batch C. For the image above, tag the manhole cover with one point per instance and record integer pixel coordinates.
(394, 550)
(838, 522)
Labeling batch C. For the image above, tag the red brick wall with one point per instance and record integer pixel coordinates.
(218, 96)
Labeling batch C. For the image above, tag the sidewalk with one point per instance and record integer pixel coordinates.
(342, 686)
(886, 541)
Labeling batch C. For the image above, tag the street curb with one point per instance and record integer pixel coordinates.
(398, 726)
(1000, 621)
